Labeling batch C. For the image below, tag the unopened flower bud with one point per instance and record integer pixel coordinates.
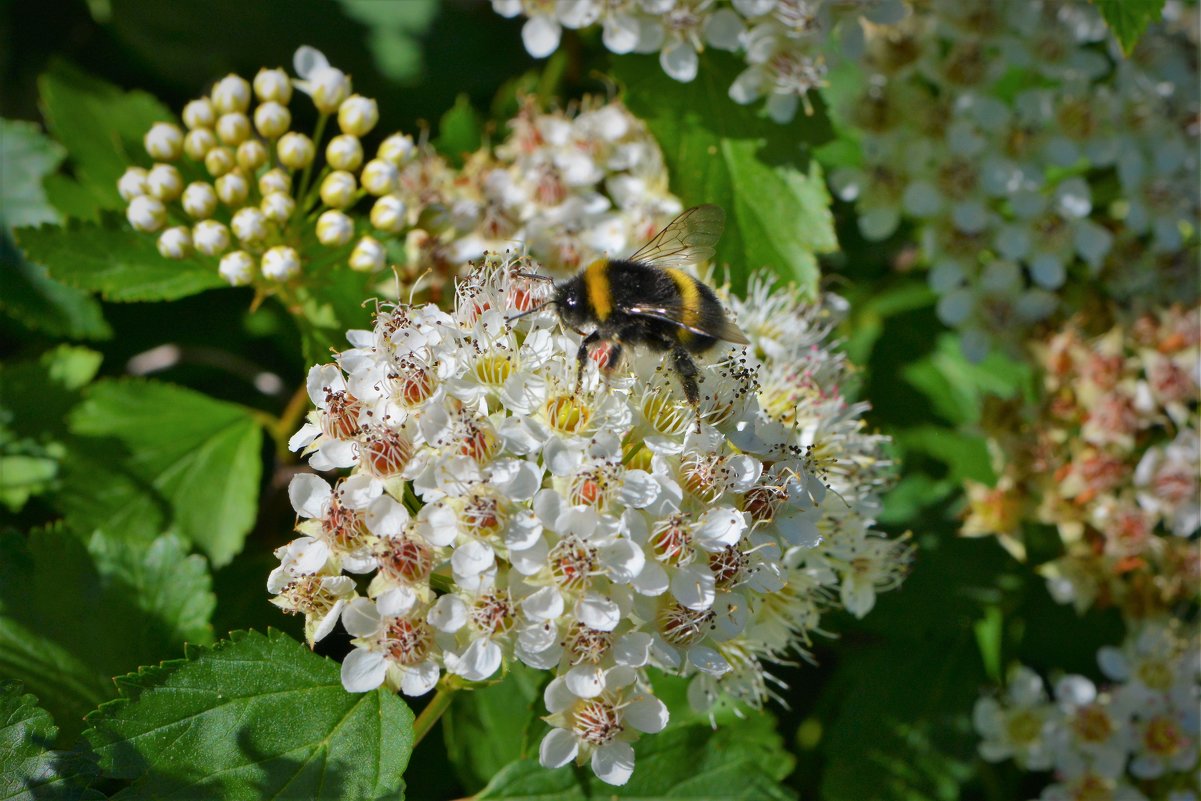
(334, 228)
(367, 256)
(198, 143)
(252, 154)
(272, 119)
(397, 149)
(295, 150)
(281, 263)
(210, 237)
(275, 180)
(329, 87)
(164, 141)
(388, 214)
(278, 206)
(164, 182)
(219, 161)
(233, 189)
(237, 268)
(344, 152)
(233, 128)
(199, 114)
(338, 189)
(232, 93)
(357, 115)
(132, 183)
(249, 225)
(273, 85)
(175, 243)
(146, 213)
(199, 200)
(380, 177)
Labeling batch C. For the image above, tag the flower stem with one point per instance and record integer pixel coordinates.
(429, 716)
(289, 420)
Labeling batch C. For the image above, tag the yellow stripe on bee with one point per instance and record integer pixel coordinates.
(600, 297)
(690, 301)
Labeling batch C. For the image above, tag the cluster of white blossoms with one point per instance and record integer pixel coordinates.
(1031, 155)
(493, 512)
(1134, 738)
(570, 185)
(241, 187)
(788, 45)
(1110, 456)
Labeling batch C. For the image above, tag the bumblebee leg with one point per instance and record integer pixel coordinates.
(688, 371)
(581, 357)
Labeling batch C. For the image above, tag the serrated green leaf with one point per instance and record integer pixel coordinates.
(488, 728)
(29, 768)
(116, 261)
(35, 397)
(74, 615)
(100, 125)
(26, 157)
(759, 171)
(255, 716)
(196, 459)
(31, 297)
(329, 307)
(1128, 19)
(693, 762)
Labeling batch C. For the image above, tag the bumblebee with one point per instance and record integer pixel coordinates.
(647, 300)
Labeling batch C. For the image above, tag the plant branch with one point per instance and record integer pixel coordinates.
(430, 715)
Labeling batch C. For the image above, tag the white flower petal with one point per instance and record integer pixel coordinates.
(361, 618)
(708, 660)
(646, 714)
(449, 614)
(304, 437)
(396, 602)
(472, 558)
(363, 671)
(558, 696)
(613, 762)
(679, 60)
(598, 612)
(478, 662)
(719, 527)
(623, 560)
(585, 681)
(558, 748)
(540, 34)
(420, 679)
(545, 604)
(693, 587)
(633, 649)
(309, 494)
(385, 517)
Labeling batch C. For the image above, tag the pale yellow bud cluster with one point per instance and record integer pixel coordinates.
(238, 185)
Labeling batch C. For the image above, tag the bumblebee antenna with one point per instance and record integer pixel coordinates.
(536, 277)
(528, 312)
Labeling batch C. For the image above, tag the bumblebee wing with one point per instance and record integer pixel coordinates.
(688, 239)
(728, 330)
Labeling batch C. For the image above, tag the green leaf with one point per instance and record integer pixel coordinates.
(101, 127)
(966, 455)
(1128, 19)
(394, 33)
(760, 172)
(488, 728)
(184, 455)
(31, 297)
(116, 261)
(460, 130)
(255, 716)
(74, 615)
(27, 294)
(29, 769)
(957, 388)
(693, 762)
(331, 305)
(35, 398)
(26, 157)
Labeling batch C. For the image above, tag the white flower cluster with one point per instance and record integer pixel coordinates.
(572, 186)
(1111, 457)
(255, 187)
(1134, 739)
(787, 44)
(502, 514)
(1030, 153)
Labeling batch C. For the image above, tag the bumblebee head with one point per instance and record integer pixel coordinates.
(569, 299)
